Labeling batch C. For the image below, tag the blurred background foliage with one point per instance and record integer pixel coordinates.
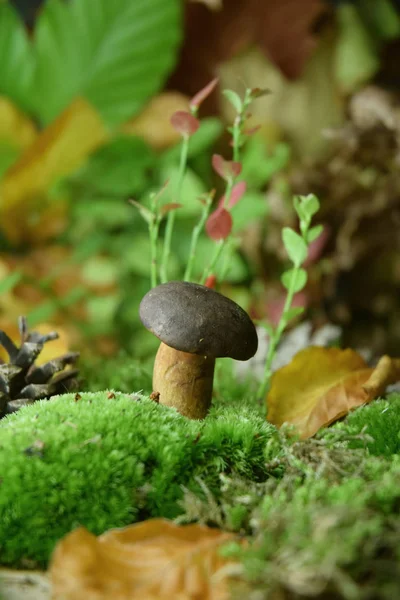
(87, 88)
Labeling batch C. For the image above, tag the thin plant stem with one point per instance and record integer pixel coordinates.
(275, 337)
(218, 251)
(195, 237)
(171, 215)
(154, 226)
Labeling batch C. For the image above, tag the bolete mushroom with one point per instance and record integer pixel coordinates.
(196, 325)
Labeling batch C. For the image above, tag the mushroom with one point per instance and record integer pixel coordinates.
(196, 325)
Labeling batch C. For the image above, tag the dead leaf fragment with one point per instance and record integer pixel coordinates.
(321, 385)
(386, 372)
(148, 561)
(56, 152)
(15, 128)
(153, 124)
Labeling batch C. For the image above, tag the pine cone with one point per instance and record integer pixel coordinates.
(21, 382)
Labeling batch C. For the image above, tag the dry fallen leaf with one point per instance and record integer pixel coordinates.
(153, 124)
(147, 561)
(15, 128)
(58, 150)
(321, 385)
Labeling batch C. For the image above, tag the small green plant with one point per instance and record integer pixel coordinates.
(294, 279)
(218, 225)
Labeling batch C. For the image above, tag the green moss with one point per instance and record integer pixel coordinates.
(325, 540)
(122, 373)
(380, 420)
(329, 528)
(105, 462)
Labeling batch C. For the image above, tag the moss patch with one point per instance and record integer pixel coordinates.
(104, 462)
(380, 420)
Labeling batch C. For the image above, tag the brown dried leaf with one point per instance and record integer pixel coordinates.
(148, 561)
(283, 29)
(153, 124)
(57, 151)
(386, 372)
(319, 386)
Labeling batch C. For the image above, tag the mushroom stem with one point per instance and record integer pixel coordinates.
(184, 381)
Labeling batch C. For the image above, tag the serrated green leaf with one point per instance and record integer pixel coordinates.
(314, 233)
(294, 279)
(295, 246)
(234, 99)
(10, 281)
(17, 59)
(115, 54)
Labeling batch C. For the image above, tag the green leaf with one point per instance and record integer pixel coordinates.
(119, 168)
(381, 18)
(295, 246)
(192, 188)
(310, 204)
(294, 279)
(293, 312)
(314, 233)
(234, 99)
(356, 57)
(116, 54)
(17, 60)
(252, 207)
(259, 164)
(10, 281)
(145, 213)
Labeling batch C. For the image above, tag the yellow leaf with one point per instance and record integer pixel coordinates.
(15, 128)
(51, 349)
(152, 560)
(56, 152)
(317, 387)
(153, 123)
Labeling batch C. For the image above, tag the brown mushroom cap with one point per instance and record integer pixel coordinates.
(196, 319)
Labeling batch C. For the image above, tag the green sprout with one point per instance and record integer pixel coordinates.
(294, 279)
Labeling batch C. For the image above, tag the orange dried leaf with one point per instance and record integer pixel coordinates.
(151, 560)
(316, 388)
(15, 128)
(386, 372)
(56, 152)
(153, 124)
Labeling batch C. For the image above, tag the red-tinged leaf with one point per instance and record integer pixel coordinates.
(274, 307)
(237, 193)
(211, 282)
(203, 94)
(219, 224)
(259, 93)
(184, 123)
(168, 207)
(227, 169)
(316, 247)
(252, 130)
